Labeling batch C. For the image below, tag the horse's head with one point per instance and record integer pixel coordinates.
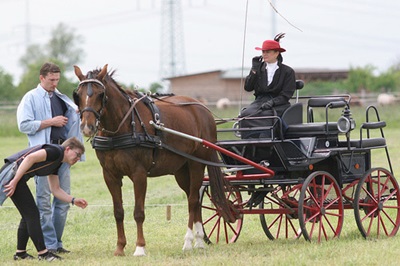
(90, 96)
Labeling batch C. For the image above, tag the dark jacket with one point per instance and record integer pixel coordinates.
(281, 88)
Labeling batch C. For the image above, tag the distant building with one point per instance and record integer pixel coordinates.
(214, 85)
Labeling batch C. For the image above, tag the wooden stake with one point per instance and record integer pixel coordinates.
(168, 212)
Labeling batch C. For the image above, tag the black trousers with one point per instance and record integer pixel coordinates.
(254, 110)
(29, 225)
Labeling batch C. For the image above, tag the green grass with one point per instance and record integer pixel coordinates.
(91, 233)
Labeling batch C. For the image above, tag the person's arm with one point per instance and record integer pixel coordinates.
(60, 194)
(254, 72)
(57, 121)
(250, 81)
(31, 159)
(27, 121)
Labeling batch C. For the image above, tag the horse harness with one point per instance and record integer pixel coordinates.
(134, 138)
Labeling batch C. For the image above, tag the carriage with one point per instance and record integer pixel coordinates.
(308, 174)
(299, 177)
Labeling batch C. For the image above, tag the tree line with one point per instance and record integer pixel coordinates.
(63, 49)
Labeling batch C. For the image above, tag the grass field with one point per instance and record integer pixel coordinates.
(91, 233)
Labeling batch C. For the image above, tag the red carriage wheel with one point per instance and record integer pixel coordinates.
(281, 219)
(376, 204)
(321, 210)
(215, 228)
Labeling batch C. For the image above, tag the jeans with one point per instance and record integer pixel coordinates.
(53, 215)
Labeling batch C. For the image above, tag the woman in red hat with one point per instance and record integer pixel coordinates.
(273, 84)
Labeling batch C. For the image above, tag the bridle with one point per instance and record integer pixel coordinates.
(89, 82)
(98, 114)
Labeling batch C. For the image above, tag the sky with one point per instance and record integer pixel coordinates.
(216, 35)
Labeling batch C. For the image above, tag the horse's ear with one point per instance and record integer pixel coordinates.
(78, 73)
(103, 72)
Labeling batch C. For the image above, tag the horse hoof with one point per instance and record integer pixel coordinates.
(119, 253)
(199, 245)
(187, 246)
(140, 251)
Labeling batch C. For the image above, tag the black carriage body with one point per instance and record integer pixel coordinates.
(318, 172)
(296, 149)
(293, 160)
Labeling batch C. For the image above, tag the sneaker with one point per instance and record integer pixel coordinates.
(23, 256)
(62, 251)
(49, 256)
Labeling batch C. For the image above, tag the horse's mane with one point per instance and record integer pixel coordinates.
(108, 79)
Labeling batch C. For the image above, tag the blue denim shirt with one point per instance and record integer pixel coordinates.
(35, 106)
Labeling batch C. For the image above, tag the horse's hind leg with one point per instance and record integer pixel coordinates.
(190, 182)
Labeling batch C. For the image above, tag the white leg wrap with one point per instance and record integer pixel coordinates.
(140, 251)
(199, 235)
(187, 245)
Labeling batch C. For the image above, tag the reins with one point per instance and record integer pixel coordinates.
(133, 139)
(135, 101)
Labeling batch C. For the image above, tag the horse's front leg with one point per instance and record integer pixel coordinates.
(114, 185)
(190, 178)
(140, 187)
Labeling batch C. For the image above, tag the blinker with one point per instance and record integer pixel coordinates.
(89, 89)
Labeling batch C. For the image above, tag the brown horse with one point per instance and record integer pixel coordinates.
(126, 144)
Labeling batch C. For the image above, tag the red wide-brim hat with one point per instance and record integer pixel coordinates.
(271, 45)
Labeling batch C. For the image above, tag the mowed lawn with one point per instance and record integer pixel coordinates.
(91, 233)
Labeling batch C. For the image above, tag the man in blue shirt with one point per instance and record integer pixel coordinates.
(47, 116)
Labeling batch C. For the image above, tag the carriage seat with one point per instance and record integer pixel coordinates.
(378, 142)
(365, 143)
(311, 129)
(293, 121)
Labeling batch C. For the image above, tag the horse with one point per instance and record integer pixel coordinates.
(126, 144)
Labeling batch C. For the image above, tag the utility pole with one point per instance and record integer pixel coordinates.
(172, 52)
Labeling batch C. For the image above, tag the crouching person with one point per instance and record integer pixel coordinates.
(40, 160)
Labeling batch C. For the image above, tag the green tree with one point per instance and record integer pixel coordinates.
(386, 82)
(360, 78)
(155, 87)
(62, 49)
(62, 46)
(7, 89)
(34, 53)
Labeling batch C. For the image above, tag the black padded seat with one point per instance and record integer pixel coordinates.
(324, 101)
(365, 143)
(311, 130)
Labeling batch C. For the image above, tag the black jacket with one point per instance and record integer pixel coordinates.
(281, 88)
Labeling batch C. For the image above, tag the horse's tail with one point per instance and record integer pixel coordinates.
(219, 185)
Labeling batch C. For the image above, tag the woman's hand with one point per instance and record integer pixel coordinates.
(256, 62)
(10, 187)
